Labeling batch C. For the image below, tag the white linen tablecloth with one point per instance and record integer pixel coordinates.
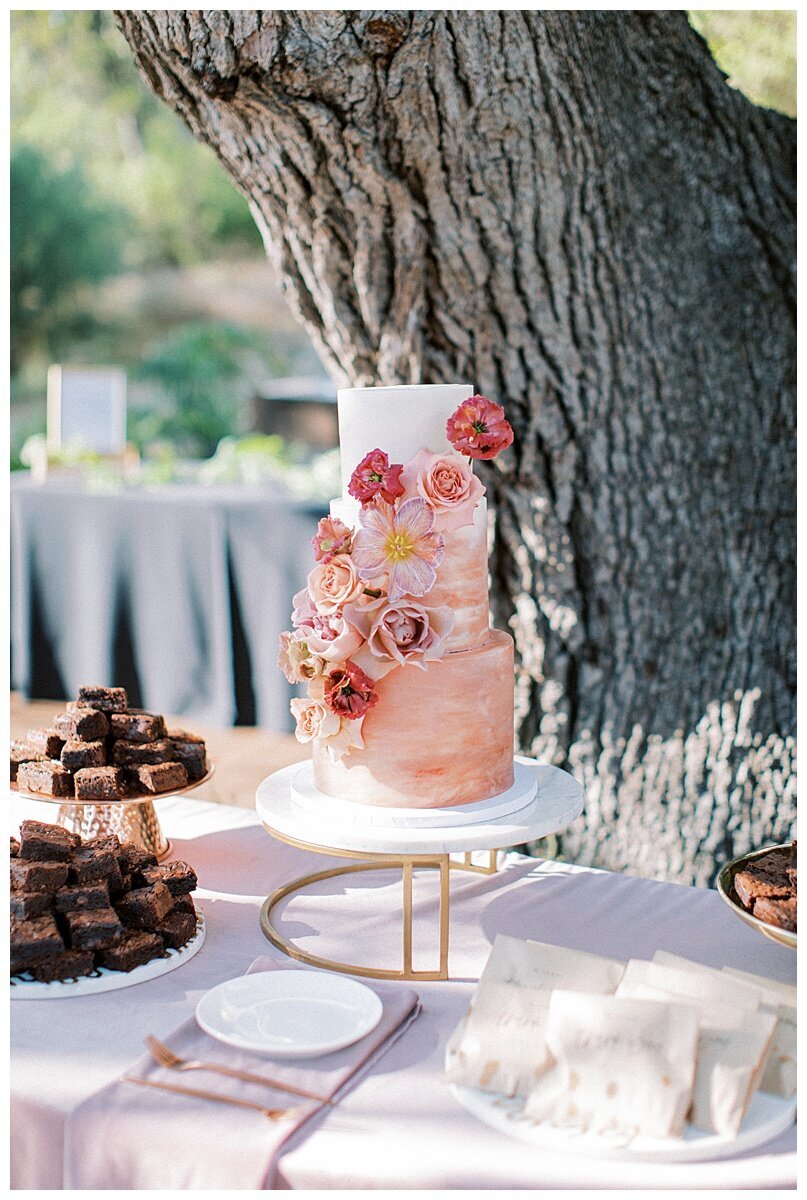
(400, 1127)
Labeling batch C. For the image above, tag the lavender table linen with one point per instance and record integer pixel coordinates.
(399, 1126)
(127, 1137)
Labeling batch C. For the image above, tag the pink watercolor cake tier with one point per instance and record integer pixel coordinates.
(409, 691)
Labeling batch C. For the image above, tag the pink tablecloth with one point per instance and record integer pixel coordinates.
(400, 1127)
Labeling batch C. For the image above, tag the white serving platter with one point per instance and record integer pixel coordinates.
(104, 980)
(289, 1014)
(767, 1117)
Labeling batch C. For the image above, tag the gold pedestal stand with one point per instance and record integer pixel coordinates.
(133, 819)
(408, 863)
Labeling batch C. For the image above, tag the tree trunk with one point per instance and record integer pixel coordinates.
(573, 210)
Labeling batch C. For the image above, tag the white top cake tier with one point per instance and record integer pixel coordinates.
(398, 420)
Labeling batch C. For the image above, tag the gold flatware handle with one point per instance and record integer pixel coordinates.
(273, 1114)
(220, 1069)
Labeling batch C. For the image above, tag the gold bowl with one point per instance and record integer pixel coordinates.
(725, 886)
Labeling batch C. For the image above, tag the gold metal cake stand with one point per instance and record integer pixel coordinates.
(407, 863)
(544, 800)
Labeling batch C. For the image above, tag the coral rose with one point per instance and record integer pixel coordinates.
(333, 584)
(479, 428)
(448, 485)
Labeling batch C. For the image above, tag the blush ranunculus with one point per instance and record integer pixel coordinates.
(479, 428)
(296, 659)
(374, 476)
(329, 635)
(349, 692)
(333, 584)
(401, 633)
(448, 485)
(332, 537)
(314, 719)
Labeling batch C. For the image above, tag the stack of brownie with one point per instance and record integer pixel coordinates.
(100, 749)
(767, 887)
(79, 905)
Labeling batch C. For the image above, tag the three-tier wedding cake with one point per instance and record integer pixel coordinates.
(410, 691)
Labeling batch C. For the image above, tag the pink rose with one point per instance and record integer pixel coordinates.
(349, 692)
(333, 584)
(296, 659)
(401, 633)
(314, 719)
(330, 636)
(375, 477)
(479, 428)
(448, 485)
(332, 537)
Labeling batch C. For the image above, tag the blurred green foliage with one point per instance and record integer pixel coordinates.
(757, 50)
(62, 235)
(204, 374)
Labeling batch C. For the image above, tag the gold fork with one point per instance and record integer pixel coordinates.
(166, 1057)
(274, 1114)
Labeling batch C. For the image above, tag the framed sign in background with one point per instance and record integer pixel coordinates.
(87, 406)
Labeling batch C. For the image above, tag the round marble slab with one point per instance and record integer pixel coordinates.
(557, 801)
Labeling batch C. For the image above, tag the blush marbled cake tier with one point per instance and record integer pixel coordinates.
(436, 738)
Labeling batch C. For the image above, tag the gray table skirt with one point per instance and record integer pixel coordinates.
(177, 593)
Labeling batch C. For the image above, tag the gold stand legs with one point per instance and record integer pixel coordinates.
(407, 863)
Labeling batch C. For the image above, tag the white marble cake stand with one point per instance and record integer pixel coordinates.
(556, 801)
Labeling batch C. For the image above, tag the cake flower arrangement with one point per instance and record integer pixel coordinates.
(364, 610)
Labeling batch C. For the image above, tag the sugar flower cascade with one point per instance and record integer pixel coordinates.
(364, 611)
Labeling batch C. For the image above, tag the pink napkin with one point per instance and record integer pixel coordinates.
(127, 1137)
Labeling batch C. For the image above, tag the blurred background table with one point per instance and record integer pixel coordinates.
(177, 593)
(243, 756)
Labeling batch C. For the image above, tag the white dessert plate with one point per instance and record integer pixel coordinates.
(289, 1014)
(103, 980)
(767, 1117)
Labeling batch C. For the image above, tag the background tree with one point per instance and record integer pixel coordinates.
(572, 210)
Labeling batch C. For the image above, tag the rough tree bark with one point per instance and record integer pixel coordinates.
(573, 210)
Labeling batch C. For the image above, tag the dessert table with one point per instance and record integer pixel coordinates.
(400, 1126)
(191, 586)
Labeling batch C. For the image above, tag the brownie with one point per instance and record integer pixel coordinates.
(182, 735)
(184, 904)
(46, 777)
(766, 876)
(176, 929)
(777, 911)
(137, 727)
(84, 724)
(70, 964)
(48, 742)
(37, 876)
(25, 905)
(78, 899)
(93, 929)
(178, 877)
(103, 699)
(46, 843)
(99, 783)
(15, 847)
(36, 938)
(134, 858)
(77, 754)
(91, 864)
(134, 949)
(161, 777)
(21, 753)
(135, 754)
(145, 907)
(192, 755)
